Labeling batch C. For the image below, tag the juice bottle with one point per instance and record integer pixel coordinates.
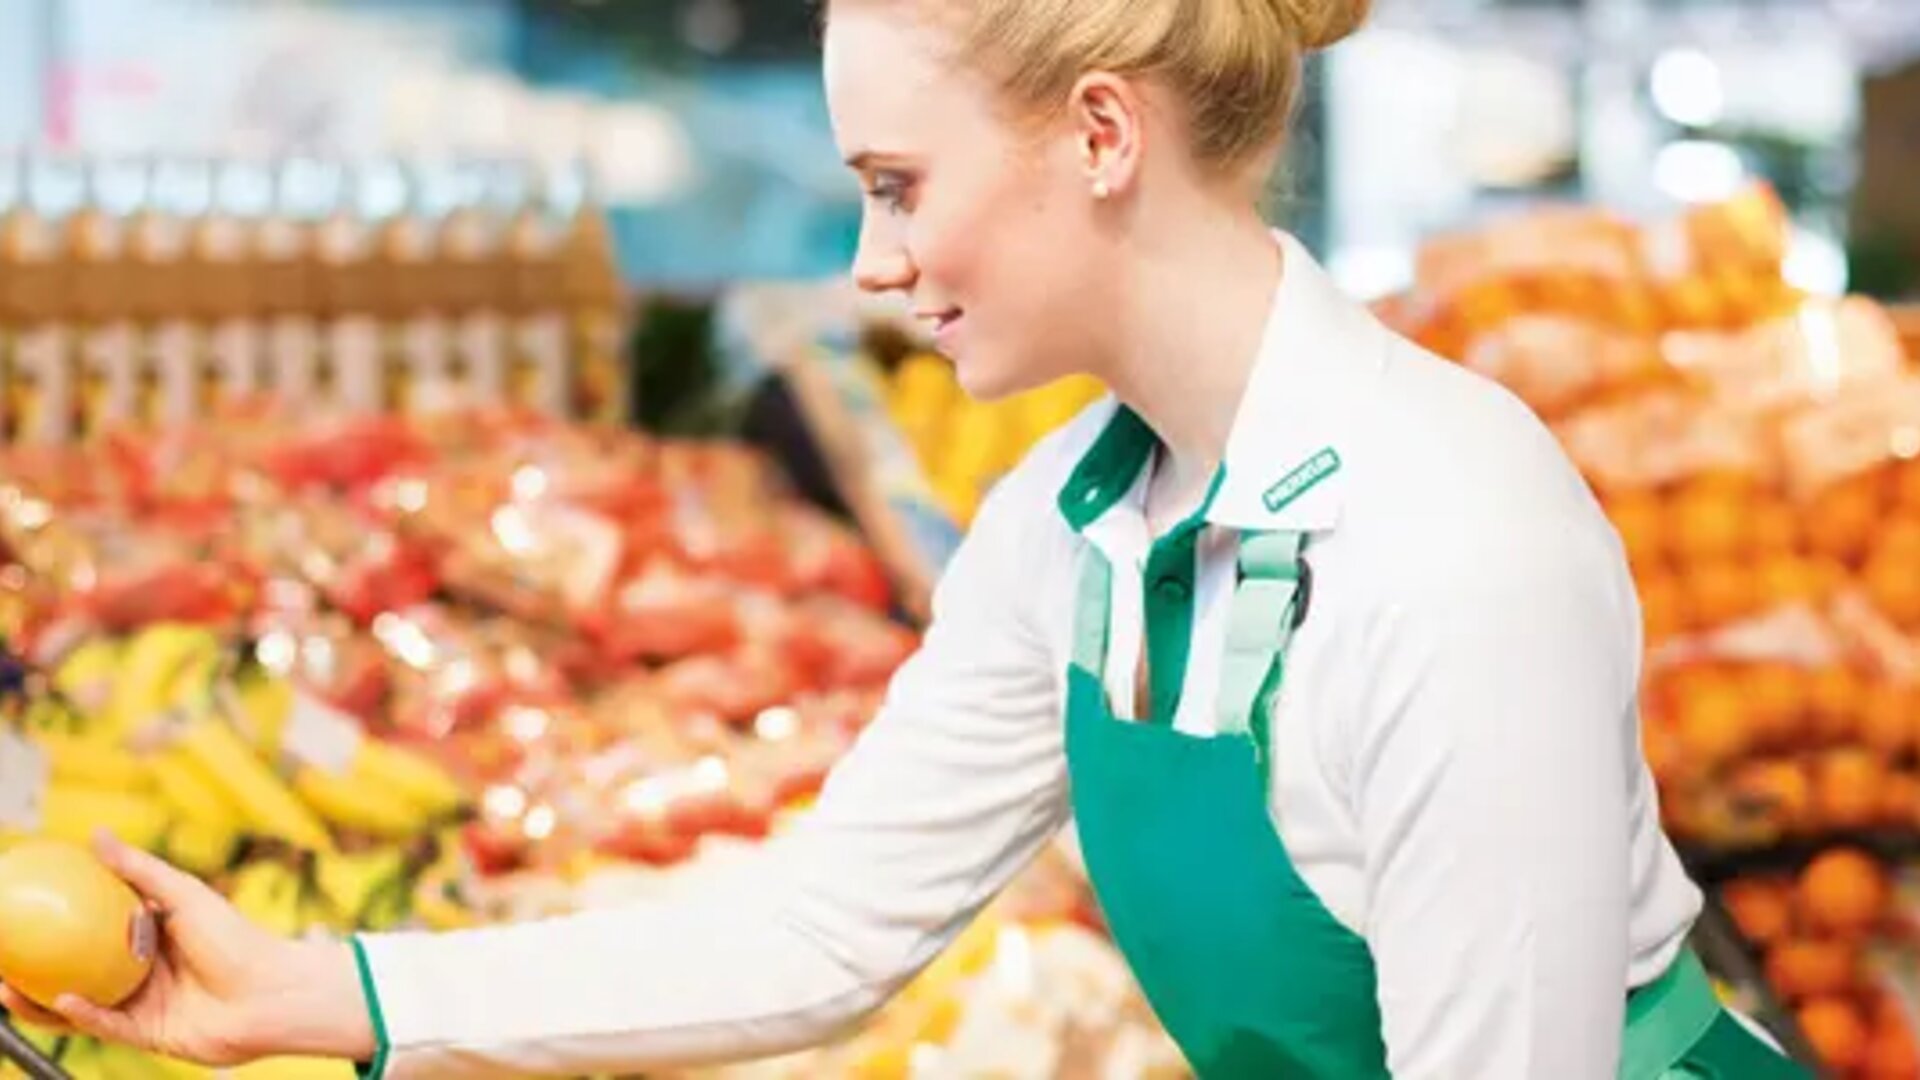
(163, 290)
(111, 386)
(353, 358)
(474, 283)
(595, 300)
(285, 274)
(36, 279)
(416, 336)
(228, 293)
(536, 377)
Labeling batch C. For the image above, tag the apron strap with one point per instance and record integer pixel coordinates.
(1092, 607)
(1268, 603)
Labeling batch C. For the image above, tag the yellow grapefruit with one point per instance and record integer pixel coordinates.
(68, 925)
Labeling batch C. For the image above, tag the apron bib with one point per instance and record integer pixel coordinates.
(1250, 974)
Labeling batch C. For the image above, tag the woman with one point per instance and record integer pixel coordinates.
(1320, 640)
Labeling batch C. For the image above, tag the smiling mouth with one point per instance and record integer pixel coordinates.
(941, 322)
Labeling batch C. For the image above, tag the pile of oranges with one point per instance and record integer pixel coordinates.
(1758, 452)
(1814, 932)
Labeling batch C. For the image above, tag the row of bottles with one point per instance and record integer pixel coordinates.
(147, 292)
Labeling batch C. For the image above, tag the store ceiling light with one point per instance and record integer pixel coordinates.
(1698, 171)
(1686, 88)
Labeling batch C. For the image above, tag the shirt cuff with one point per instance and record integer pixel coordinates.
(383, 1045)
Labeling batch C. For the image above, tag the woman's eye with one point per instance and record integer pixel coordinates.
(891, 191)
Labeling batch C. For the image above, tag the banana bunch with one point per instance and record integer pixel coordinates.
(157, 740)
(964, 446)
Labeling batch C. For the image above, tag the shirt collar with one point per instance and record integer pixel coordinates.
(1287, 458)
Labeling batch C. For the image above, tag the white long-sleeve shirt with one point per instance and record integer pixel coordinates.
(1457, 766)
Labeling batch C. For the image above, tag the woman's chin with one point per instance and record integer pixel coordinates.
(985, 380)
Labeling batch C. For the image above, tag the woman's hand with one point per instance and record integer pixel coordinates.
(223, 991)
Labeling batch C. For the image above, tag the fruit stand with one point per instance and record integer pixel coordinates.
(478, 666)
(1758, 451)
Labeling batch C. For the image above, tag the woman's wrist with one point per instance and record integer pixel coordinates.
(316, 1005)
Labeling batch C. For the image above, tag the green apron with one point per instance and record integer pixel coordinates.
(1249, 973)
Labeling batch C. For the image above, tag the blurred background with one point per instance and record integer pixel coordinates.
(703, 124)
(446, 477)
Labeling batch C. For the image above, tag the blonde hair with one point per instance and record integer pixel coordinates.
(1235, 64)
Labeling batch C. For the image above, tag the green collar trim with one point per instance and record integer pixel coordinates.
(1107, 470)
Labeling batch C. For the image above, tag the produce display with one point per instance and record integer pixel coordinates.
(364, 672)
(1758, 451)
(1834, 939)
(964, 445)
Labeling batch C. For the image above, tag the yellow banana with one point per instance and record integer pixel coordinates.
(269, 806)
(261, 706)
(438, 905)
(271, 894)
(357, 806)
(172, 1069)
(194, 795)
(351, 882)
(87, 675)
(201, 850)
(413, 776)
(153, 661)
(292, 1069)
(91, 761)
(72, 812)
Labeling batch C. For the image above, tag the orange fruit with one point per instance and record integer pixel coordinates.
(1892, 578)
(1640, 519)
(1719, 591)
(1800, 968)
(71, 926)
(1710, 518)
(1900, 800)
(1666, 756)
(1662, 606)
(1712, 719)
(1902, 534)
(1892, 1053)
(1842, 519)
(1836, 1032)
(1789, 579)
(1843, 891)
(1888, 715)
(1773, 798)
(1906, 484)
(1761, 907)
(1836, 698)
(1775, 528)
(1847, 787)
(1777, 700)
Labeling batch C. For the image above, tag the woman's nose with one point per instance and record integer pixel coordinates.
(882, 266)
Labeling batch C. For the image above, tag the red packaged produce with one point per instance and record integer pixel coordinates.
(824, 556)
(666, 612)
(345, 453)
(735, 687)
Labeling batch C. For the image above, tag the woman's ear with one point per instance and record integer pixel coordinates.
(1107, 118)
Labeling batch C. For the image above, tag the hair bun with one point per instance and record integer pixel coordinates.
(1322, 24)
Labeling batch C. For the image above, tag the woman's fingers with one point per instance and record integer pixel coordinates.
(107, 1025)
(16, 1004)
(166, 887)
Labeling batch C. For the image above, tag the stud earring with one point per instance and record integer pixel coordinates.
(1101, 190)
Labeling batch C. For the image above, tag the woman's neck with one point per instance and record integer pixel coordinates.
(1198, 312)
